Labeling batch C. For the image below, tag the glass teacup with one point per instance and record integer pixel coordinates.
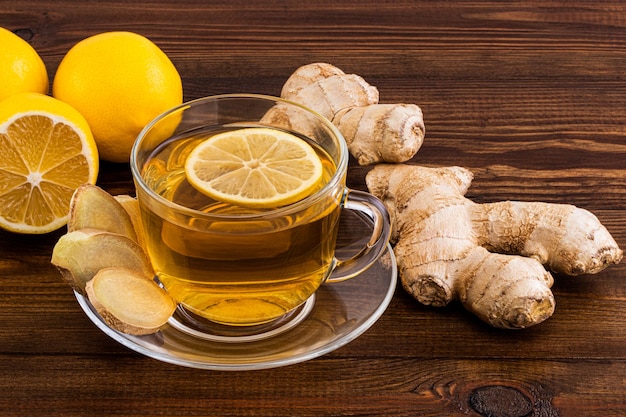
(236, 266)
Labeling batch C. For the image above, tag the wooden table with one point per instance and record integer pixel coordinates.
(531, 96)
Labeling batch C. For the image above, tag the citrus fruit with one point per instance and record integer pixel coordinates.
(47, 152)
(119, 81)
(21, 68)
(254, 167)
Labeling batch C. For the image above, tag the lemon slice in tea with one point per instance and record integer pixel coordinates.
(254, 167)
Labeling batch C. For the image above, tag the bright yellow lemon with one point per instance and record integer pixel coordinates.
(21, 68)
(47, 152)
(119, 81)
(254, 167)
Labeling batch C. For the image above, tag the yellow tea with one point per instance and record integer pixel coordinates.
(243, 270)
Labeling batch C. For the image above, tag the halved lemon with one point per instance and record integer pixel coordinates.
(254, 167)
(47, 152)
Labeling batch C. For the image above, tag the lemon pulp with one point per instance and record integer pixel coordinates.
(47, 152)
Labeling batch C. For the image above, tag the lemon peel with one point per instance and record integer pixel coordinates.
(22, 69)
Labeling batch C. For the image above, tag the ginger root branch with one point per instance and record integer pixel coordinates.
(565, 238)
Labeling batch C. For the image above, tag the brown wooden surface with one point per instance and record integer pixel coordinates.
(530, 95)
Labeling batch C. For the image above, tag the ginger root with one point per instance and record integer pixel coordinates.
(445, 244)
(374, 132)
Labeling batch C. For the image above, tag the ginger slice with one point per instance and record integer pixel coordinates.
(128, 302)
(80, 254)
(131, 205)
(93, 208)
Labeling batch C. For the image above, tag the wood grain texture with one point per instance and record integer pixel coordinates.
(530, 95)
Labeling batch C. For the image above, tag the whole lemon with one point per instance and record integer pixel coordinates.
(119, 81)
(21, 68)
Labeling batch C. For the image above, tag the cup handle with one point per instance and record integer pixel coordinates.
(373, 208)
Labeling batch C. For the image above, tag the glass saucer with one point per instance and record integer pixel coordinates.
(339, 313)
